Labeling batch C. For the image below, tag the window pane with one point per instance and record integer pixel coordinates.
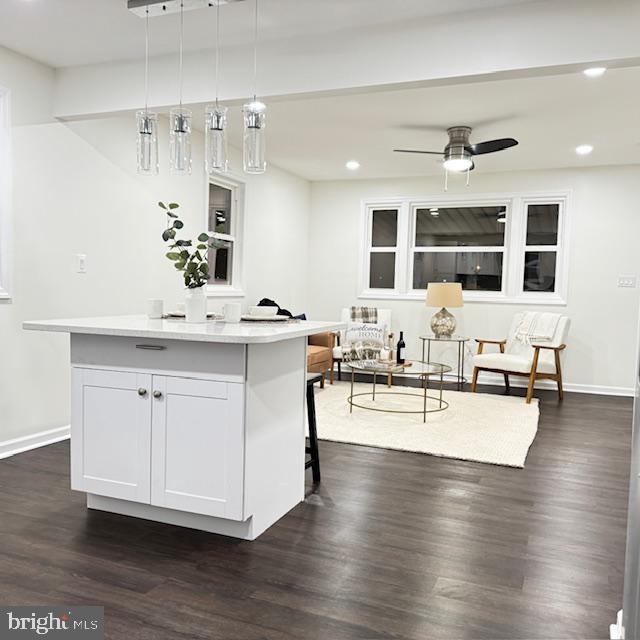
(382, 268)
(542, 224)
(220, 200)
(540, 271)
(475, 271)
(221, 264)
(460, 227)
(384, 230)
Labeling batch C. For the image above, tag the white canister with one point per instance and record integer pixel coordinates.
(155, 308)
(195, 303)
(232, 312)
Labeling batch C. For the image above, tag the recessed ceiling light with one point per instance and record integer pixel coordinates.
(594, 72)
(584, 149)
(352, 165)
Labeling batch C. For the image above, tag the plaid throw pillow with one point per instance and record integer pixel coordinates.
(364, 314)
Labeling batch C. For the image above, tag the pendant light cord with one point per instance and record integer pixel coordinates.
(255, 52)
(181, 49)
(217, 49)
(146, 63)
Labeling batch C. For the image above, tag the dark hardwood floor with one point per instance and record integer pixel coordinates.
(391, 545)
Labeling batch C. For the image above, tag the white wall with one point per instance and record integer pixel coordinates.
(605, 228)
(75, 190)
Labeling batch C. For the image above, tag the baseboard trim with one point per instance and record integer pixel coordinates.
(496, 379)
(10, 448)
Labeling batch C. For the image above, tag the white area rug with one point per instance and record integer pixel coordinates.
(476, 426)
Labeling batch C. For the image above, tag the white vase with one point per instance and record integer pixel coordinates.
(195, 303)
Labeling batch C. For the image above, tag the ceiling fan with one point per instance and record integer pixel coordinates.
(459, 152)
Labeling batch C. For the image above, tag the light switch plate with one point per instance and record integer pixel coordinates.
(81, 261)
(627, 282)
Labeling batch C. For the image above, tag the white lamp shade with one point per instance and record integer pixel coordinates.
(444, 294)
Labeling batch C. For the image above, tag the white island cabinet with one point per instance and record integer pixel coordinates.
(195, 425)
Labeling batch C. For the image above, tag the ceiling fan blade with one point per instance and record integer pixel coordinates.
(491, 146)
(433, 153)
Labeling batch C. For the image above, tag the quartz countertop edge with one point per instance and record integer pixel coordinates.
(139, 326)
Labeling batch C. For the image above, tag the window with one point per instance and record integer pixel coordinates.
(383, 243)
(224, 215)
(508, 248)
(5, 184)
(459, 244)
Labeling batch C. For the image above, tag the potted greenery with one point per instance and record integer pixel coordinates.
(189, 257)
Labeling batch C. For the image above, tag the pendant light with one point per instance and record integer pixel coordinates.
(215, 125)
(180, 122)
(254, 113)
(147, 122)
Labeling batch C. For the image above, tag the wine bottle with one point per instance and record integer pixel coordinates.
(400, 349)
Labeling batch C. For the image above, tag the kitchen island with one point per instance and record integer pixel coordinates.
(196, 425)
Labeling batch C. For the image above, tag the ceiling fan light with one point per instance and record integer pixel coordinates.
(458, 164)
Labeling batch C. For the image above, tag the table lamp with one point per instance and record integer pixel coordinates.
(443, 294)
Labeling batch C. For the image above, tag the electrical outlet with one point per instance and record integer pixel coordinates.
(627, 282)
(81, 262)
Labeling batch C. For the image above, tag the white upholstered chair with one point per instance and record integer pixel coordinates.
(536, 361)
(384, 318)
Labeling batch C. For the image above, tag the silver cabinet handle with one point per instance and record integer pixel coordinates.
(151, 347)
(142, 392)
(157, 394)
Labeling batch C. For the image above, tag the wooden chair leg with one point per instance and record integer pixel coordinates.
(474, 381)
(506, 382)
(331, 373)
(532, 375)
(389, 380)
(559, 374)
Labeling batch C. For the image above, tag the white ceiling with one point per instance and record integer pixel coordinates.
(74, 32)
(549, 116)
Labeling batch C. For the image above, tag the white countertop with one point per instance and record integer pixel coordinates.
(172, 329)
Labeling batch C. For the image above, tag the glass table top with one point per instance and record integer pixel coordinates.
(453, 338)
(415, 367)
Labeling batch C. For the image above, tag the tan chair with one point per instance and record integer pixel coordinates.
(320, 355)
(537, 361)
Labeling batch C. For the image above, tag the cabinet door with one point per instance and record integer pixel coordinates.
(197, 457)
(111, 433)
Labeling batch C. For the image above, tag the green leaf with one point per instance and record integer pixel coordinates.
(173, 205)
(179, 265)
(184, 254)
(172, 255)
(172, 215)
(165, 235)
(178, 224)
(202, 247)
(191, 267)
(203, 237)
(162, 205)
(204, 267)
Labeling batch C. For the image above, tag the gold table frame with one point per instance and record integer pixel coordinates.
(423, 375)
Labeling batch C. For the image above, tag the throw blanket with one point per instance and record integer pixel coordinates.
(537, 327)
(364, 314)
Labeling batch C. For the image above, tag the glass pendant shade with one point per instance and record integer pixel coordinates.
(254, 137)
(147, 142)
(180, 141)
(216, 139)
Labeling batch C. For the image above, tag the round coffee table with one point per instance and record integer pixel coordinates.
(421, 370)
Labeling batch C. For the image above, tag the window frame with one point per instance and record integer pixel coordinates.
(513, 250)
(5, 195)
(236, 237)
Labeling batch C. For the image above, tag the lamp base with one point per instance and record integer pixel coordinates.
(443, 324)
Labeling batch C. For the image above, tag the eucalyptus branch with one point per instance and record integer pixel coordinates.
(189, 260)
